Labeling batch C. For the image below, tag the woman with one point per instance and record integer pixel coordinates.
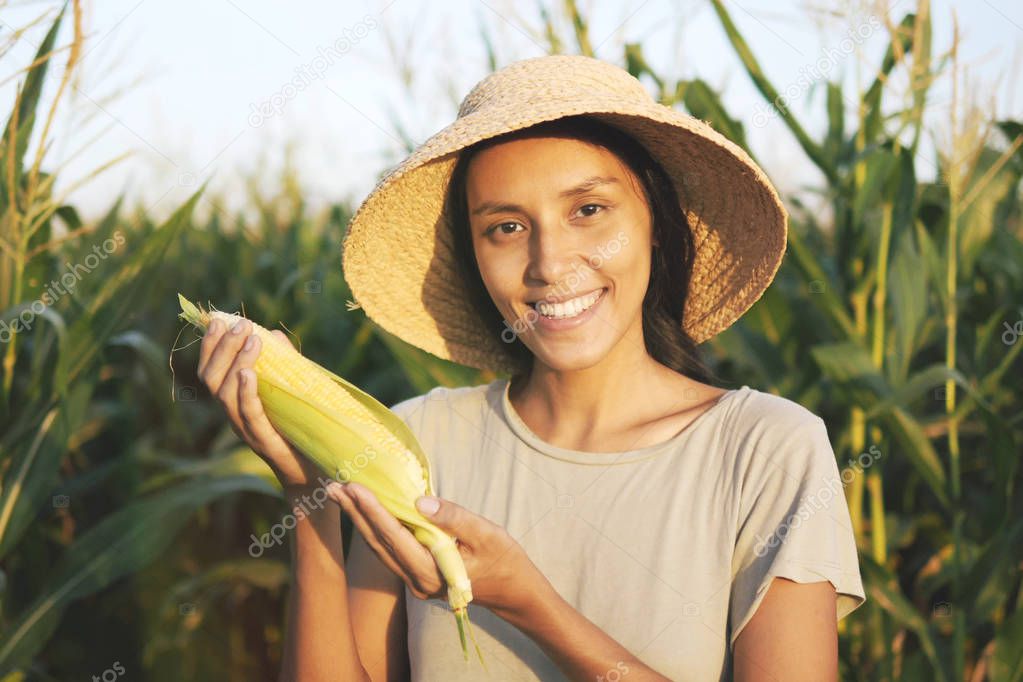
(618, 514)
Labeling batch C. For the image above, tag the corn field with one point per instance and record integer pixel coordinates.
(129, 510)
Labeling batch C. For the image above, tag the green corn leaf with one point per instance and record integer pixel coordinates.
(992, 573)
(771, 94)
(25, 313)
(35, 462)
(879, 162)
(920, 72)
(834, 143)
(922, 384)
(825, 297)
(901, 44)
(913, 443)
(907, 291)
(121, 544)
(26, 112)
(849, 366)
(116, 298)
(1007, 657)
(425, 371)
(705, 104)
(850, 369)
(883, 589)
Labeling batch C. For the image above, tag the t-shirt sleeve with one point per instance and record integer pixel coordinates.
(793, 520)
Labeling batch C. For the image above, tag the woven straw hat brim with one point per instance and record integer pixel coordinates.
(398, 256)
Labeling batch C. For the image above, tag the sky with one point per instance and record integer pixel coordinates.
(231, 91)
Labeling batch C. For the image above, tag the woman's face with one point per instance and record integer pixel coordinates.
(562, 234)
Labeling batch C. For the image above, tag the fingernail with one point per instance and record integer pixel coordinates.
(238, 327)
(428, 505)
(250, 343)
(243, 377)
(214, 327)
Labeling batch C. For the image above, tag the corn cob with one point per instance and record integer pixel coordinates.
(351, 436)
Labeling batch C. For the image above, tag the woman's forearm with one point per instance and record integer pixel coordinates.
(319, 641)
(579, 648)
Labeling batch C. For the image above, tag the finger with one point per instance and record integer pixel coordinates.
(216, 371)
(228, 392)
(390, 531)
(455, 519)
(339, 495)
(282, 336)
(392, 537)
(209, 342)
(262, 436)
(424, 577)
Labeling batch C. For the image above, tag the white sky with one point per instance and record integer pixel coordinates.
(176, 83)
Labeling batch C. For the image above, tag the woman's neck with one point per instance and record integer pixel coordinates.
(581, 409)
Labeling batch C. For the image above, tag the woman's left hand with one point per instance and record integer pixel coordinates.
(503, 577)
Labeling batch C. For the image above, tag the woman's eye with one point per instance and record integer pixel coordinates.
(590, 210)
(503, 228)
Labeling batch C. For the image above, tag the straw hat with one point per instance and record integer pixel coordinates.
(398, 256)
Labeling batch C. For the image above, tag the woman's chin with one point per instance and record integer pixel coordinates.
(569, 358)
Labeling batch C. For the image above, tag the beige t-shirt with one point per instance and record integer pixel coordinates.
(668, 548)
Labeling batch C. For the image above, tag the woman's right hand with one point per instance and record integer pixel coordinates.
(226, 357)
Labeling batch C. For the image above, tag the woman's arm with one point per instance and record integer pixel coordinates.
(792, 636)
(319, 641)
(376, 598)
(579, 648)
(346, 621)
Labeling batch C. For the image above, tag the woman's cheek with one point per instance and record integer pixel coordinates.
(498, 274)
(613, 249)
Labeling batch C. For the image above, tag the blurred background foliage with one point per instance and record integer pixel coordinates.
(127, 505)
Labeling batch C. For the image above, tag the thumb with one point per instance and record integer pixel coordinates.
(446, 515)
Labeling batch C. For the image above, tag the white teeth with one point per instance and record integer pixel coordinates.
(570, 308)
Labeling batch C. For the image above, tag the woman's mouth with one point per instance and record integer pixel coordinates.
(571, 308)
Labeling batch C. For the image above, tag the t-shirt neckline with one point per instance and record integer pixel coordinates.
(524, 433)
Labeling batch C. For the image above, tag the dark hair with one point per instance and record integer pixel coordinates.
(671, 264)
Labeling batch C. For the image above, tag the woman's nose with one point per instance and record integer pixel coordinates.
(550, 254)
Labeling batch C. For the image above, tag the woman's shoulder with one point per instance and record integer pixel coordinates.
(756, 408)
(765, 429)
(774, 435)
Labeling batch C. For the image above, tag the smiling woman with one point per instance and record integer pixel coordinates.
(617, 513)
(626, 198)
(584, 239)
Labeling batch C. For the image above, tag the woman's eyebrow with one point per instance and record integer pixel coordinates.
(586, 185)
